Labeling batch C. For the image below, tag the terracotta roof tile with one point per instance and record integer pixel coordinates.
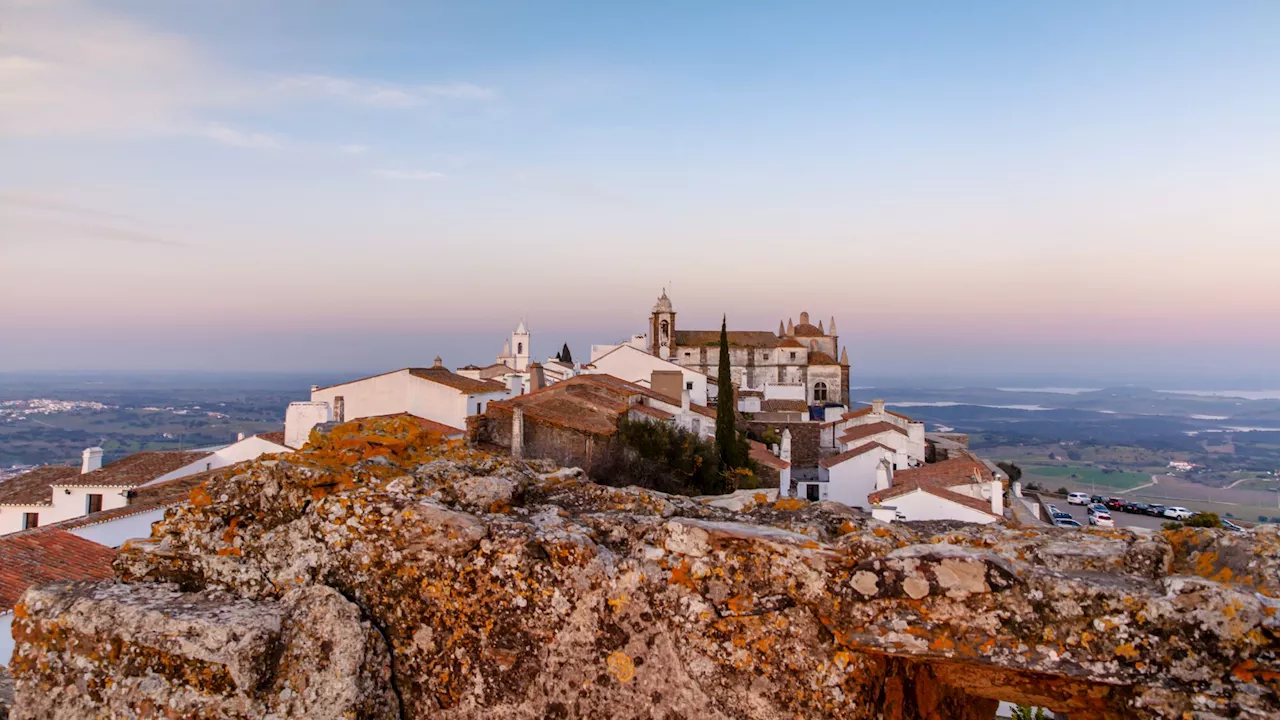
(855, 452)
(448, 378)
(807, 330)
(790, 343)
(761, 454)
(858, 432)
(817, 357)
(784, 406)
(737, 338)
(136, 469)
(46, 555)
(652, 412)
(936, 478)
(35, 487)
(276, 437)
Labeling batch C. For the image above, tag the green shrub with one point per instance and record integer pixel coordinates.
(1205, 520)
(1063, 491)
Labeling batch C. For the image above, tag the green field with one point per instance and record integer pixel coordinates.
(1083, 477)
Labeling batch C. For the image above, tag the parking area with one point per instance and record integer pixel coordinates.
(1081, 516)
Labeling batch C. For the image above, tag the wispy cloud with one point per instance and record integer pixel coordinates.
(238, 138)
(408, 174)
(28, 202)
(382, 94)
(353, 149)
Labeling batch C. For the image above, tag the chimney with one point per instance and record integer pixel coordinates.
(91, 459)
(517, 433)
(339, 409)
(537, 378)
(884, 475)
(997, 498)
(804, 318)
(684, 400)
(786, 445)
(239, 437)
(877, 406)
(438, 363)
(315, 388)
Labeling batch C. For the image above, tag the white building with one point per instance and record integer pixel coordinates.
(962, 488)
(852, 476)
(52, 494)
(245, 448)
(874, 423)
(637, 366)
(435, 393)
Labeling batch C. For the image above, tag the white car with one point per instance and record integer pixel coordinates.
(1101, 519)
(1078, 499)
(1178, 513)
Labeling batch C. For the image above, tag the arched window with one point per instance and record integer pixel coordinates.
(519, 348)
(819, 392)
(666, 329)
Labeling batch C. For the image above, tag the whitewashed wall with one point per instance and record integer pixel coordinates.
(114, 533)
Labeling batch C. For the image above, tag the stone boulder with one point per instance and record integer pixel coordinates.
(382, 573)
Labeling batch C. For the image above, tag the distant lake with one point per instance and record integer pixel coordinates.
(1243, 394)
(1054, 390)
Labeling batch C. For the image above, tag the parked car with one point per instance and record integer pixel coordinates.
(1096, 507)
(1101, 519)
(1155, 510)
(1100, 499)
(1115, 503)
(1068, 523)
(1136, 508)
(1178, 513)
(1056, 515)
(1230, 526)
(1078, 499)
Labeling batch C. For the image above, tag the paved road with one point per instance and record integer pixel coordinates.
(1081, 516)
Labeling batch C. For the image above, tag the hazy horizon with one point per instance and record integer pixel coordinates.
(994, 190)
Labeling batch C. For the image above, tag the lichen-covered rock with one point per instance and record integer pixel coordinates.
(505, 589)
(112, 650)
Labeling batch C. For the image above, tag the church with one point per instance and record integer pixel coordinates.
(800, 359)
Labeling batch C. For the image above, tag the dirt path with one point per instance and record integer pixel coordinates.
(1155, 480)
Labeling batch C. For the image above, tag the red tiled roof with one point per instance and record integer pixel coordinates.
(817, 357)
(760, 453)
(862, 412)
(136, 469)
(149, 497)
(784, 406)
(837, 459)
(448, 378)
(857, 432)
(276, 437)
(936, 478)
(440, 375)
(791, 343)
(807, 330)
(46, 555)
(35, 487)
(737, 338)
(650, 411)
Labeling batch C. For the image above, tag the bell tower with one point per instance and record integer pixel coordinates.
(520, 348)
(662, 328)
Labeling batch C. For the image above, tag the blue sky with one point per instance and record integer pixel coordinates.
(1071, 187)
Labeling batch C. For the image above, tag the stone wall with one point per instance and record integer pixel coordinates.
(804, 440)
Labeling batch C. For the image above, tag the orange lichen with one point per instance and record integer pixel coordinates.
(621, 667)
(1127, 651)
(789, 504)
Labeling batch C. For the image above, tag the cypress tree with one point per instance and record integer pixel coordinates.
(565, 355)
(726, 431)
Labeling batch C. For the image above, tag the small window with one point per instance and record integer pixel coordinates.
(93, 503)
(519, 348)
(688, 386)
(819, 392)
(30, 520)
(477, 408)
(766, 356)
(793, 356)
(697, 426)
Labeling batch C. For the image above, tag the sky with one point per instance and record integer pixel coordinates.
(1001, 188)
